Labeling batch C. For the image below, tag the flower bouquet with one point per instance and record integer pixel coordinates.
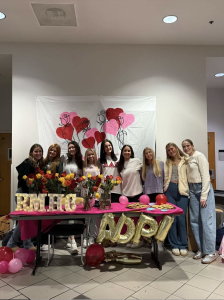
(69, 183)
(34, 181)
(107, 186)
(91, 185)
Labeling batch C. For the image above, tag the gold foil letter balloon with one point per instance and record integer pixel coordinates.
(140, 230)
(164, 226)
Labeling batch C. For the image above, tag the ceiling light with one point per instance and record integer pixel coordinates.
(170, 19)
(219, 74)
(2, 16)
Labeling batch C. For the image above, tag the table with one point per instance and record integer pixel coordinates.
(116, 208)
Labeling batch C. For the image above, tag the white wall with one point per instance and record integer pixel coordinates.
(176, 75)
(215, 98)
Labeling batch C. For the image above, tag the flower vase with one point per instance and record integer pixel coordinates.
(105, 200)
(89, 201)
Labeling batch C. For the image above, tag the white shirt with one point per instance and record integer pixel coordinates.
(131, 180)
(70, 167)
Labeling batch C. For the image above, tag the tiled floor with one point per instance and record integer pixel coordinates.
(65, 278)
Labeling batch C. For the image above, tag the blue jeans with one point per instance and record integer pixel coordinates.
(12, 242)
(203, 220)
(177, 235)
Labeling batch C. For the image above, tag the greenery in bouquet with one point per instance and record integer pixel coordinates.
(91, 185)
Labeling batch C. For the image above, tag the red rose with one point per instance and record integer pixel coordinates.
(45, 191)
(94, 177)
(108, 177)
(31, 176)
(44, 180)
(118, 178)
(29, 182)
(63, 174)
(78, 180)
(53, 176)
(98, 182)
(41, 172)
(95, 188)
(111, 176)
(67, 182)
(37, 169)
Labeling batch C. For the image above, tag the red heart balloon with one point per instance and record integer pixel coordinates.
(80, 123)
(99, 136)
(88, 143)
(65, 132)
(113, 113)
(161, 199)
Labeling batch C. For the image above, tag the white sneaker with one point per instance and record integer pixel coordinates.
(44, 247)
(160, 247)
(85, 243)
(68, 245)
(183, 252)
(91, 241)
(176, 251)
(139, 245)
(74, 247)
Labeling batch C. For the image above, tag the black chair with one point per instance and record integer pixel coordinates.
(66, 230)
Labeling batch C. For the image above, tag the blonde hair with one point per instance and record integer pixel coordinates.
(180, 153)
(56, 160)
(155, 164)
(85, 163)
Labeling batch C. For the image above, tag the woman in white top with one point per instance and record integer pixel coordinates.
(108, 163)
(202, 203)
(176, 190)
(91, 166)
(72, 163)
(129, 168)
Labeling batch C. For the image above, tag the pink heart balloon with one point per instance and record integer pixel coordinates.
(111, 127)
(91, 132)
(126, 120)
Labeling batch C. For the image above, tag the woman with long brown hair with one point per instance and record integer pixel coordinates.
(177, 192)
(52, 161)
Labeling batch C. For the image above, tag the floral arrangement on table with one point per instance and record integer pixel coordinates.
(34, 181)
(70, 183)
(107, 186)
(91, 185)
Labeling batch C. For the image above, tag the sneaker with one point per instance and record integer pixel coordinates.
(183, 252)
(85, 243)
(198, 255)
(209, 258)
(160, 247)
(139, 245)
(14, 249)
(176, 251)
(68, 245)
(91, 241)
(74, 247)
(44, 247)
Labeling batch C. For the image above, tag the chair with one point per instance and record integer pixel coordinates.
(66, 230)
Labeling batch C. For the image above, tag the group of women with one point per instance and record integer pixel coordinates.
(184, 176)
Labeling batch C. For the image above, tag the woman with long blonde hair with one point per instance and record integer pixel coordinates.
(152, 174)
(177, 192)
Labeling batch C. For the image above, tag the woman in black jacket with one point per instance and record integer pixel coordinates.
(28, 166)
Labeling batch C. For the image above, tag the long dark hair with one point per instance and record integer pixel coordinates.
(120, 164)
(32, 160)
(78, 154)
(103, 153)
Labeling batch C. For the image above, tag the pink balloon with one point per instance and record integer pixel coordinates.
(144, 199)
(3, 266)
(15, 265)
(31, 256)
(21, 254)
(123, 200)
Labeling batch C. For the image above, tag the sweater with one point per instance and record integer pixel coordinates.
(198, 172)
(154, 184)
(131, 180)
(182, 176)
(25, 168)
(110, 168)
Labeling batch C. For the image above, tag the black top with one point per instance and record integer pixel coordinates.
(25, 168)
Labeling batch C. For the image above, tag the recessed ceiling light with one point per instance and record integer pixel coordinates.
(170, 19)
(2, 16)
(219, 74)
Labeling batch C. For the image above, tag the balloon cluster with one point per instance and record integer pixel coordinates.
(14, 265)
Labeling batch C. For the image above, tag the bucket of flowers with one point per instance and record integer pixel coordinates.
(90, 186)
(107, 186)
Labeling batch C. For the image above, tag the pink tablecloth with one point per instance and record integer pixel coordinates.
(29, 227)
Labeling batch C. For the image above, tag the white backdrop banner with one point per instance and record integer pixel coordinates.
(89, 120)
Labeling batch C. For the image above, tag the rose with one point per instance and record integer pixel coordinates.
(72, 175)
(37, 169)
(118, 178)
(89, 175)
(95, 188)
(31, 176)
(100, 176)
(48, 172)
(56, 175)
(30, 182)
(97, 195)
(63, 174)
(67, 182)
(111, 176)
(44, 190)
(24, 177)
(67, 177)
(63, 184)
(94, 177)
(61, 179)
(83, 177)
(38, 176)
(108, 177)
(44, 180)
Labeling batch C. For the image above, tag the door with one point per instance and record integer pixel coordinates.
(5, 172)
(211, 157)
